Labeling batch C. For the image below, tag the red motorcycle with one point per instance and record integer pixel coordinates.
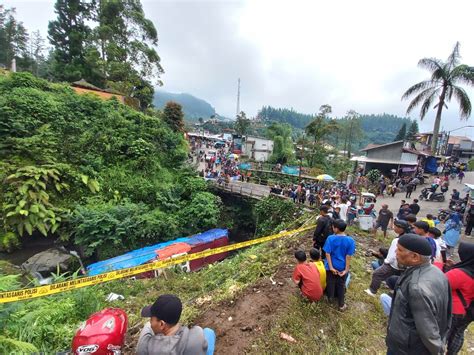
(102, 334)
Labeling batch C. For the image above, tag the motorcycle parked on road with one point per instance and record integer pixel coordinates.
(429, 195)
(443, 214)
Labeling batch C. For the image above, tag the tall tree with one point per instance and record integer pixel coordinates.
(173, 115)
(412, 131)
(70, 36)
(280, 133)
(126, 40)
(242, 124)
(353, 130)
(321, 124)
(13, 40)
(441, 87)
(37, 48)
(401, 133)
(319, 129)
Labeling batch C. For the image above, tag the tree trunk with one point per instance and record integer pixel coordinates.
(434, 140)
(345, 144)
(349, 143)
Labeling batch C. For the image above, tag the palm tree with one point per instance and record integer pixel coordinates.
(441, 88)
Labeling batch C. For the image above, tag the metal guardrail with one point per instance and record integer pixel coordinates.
(253, 192)
(243, 189)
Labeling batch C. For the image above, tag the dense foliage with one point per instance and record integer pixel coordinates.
(282, 143)
(284, 115)
(16, 43)
(273, 213)
(94, 172)
(110, 44)
(351, 132)
(381, 129)
(173, 116)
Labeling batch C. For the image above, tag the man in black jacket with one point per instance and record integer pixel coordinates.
(415, 207)
(323, 229)
(420, 315)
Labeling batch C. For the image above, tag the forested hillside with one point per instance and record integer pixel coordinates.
(193, 107)
(377, 129)
(91, 172)
(382, 128)
(284, 115)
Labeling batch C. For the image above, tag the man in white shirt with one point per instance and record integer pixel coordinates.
(390, 265)
(343, 210)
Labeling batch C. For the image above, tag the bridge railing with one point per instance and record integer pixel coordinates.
(243, 189)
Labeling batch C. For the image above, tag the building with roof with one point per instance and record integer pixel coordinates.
(398, 155)
(257, 148)
(83, 87)
(460, 147)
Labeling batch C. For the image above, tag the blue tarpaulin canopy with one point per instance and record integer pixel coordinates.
(292, 170)
(431, 165)
(245, 166)
(130, 259)
(208, 236)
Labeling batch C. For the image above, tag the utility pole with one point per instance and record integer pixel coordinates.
(238, 97)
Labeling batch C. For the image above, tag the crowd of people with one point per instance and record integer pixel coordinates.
(431, 298)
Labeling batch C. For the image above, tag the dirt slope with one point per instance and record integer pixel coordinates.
(239, 322)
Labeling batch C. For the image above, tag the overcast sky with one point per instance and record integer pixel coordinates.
(359, 55)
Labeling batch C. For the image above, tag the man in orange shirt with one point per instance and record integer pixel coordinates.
(306, 276)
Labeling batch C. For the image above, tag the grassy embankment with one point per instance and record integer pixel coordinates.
(317, 328)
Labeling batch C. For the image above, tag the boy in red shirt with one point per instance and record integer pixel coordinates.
(306, 276)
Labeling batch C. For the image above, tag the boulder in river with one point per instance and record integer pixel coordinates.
(47, 262)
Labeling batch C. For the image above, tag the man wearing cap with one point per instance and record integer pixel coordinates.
(390, 265)
(164, 335)
(420, 315)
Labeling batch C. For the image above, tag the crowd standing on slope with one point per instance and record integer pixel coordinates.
(431, 298)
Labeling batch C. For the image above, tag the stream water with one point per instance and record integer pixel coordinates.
(31, 245)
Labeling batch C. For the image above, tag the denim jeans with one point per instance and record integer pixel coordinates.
(375, 264)
(386, 302)
(210, 336)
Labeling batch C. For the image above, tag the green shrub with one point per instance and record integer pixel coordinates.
(58, 148)
(273, 212)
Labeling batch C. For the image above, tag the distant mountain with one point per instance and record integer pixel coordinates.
(193, 107)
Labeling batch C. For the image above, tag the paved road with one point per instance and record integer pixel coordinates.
(426, 206)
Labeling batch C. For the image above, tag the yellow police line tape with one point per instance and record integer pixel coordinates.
(28, 293)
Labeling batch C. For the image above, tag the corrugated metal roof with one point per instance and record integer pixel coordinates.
(381, 145)
(381, 161)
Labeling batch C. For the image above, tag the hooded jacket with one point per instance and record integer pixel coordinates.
(420, 315)
(186, 341)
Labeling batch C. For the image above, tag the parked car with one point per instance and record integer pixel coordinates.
(219, 145)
